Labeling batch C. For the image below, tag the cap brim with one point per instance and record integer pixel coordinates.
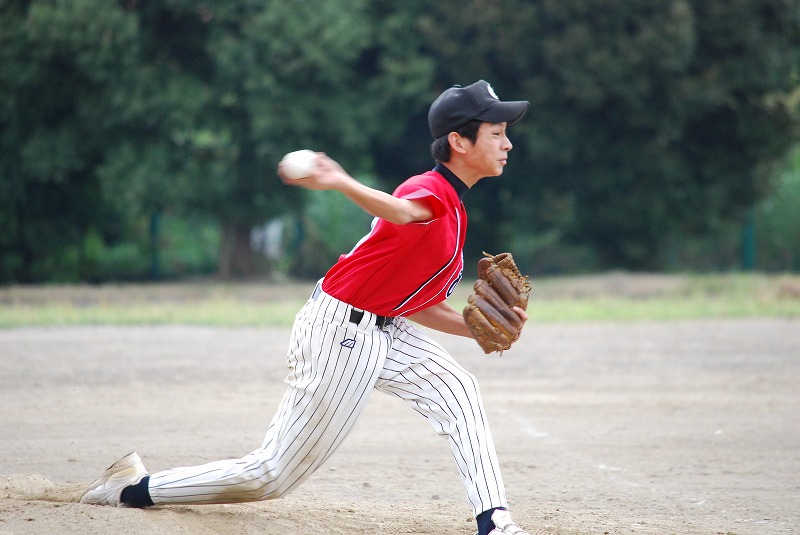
(505, 112)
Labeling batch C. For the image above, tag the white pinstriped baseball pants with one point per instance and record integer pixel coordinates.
(335, 364)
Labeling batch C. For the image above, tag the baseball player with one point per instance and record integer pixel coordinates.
(355, 333)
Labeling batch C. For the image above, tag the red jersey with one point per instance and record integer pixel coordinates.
(397, 270)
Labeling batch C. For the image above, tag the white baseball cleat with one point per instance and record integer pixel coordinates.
(504, 525)
(107, 489)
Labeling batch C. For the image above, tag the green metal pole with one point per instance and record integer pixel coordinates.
(749, 241)
(155, 252)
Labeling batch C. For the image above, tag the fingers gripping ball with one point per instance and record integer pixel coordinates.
(298, 164)
(489, 312)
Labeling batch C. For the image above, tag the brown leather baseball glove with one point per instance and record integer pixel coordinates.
(489, 314)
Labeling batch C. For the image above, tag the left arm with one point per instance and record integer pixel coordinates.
(442, 317)
(329, 175)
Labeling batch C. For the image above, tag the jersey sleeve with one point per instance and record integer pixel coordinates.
(422, 194)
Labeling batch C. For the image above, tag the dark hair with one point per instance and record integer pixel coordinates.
(440, 148)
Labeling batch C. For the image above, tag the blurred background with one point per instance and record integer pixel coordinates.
(139, 138)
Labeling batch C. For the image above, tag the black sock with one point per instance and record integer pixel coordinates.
(484, 520)
(137, 495)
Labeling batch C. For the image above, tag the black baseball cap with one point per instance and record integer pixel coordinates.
(459, 105)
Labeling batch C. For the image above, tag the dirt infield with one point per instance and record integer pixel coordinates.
(645, 428)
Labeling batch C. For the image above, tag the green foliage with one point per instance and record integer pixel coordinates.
(122, 261)
(651, 119)
(678, 129)
(186, 247)
(652, 122)
(777, 227)
(778, 221)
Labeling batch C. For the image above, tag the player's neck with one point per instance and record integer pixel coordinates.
(464, 172)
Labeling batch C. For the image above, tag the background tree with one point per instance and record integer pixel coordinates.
(649, 119)
(137, 108)
(651, 123)
(59, 65)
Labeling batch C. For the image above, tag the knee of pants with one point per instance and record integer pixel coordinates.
(258, 490)
(259, 480)
(469, 381)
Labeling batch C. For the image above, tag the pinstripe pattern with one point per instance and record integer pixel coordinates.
(334, 366)
(420, 371)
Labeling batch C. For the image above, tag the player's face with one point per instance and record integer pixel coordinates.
(489, 155)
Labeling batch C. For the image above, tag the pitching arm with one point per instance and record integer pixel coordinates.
(329, 175)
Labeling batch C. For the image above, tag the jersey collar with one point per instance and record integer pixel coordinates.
(458, 185)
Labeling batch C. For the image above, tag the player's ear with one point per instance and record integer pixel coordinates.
(458, 143)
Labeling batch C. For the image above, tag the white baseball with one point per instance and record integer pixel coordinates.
(298, 164)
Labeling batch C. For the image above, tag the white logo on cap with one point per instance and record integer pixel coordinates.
(491, 91)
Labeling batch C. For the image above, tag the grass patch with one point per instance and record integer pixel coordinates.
(223, 313)
(605, 297)
(626, 297)
(157, 304)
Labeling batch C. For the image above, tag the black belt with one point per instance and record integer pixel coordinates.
(357, 315)
(380, 321)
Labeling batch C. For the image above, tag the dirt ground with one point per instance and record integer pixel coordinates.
(645, 428)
